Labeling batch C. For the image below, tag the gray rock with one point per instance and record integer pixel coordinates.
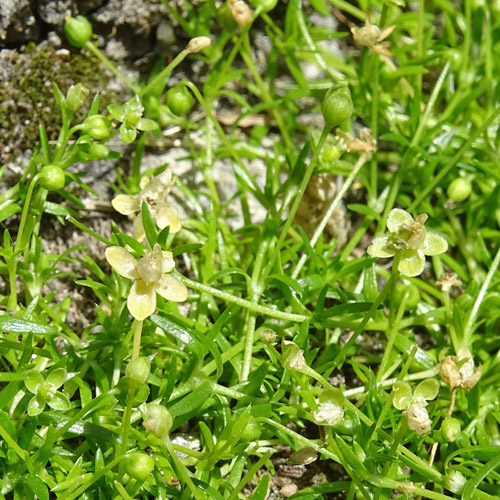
(17, 22)
(54, 12)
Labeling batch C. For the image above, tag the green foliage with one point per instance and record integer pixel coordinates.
(292, 339)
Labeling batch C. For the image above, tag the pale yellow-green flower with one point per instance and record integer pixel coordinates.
(409, 240)
(150, 277)
(154, 191)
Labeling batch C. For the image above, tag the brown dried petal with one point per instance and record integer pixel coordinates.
(449, 372)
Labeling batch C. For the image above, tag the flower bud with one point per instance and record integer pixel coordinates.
(265, 5)
(52, 177)
(292, 357)
(78, 31)
(139, 465)
(252, 431)
(331, 154)
(455, 481)
(337, 105)
(98, 127)
(459, 190)
(159, 422)
(137, 371)
(198, 43)
(75, 97)
(99, 151)
(450, 429)
(179, 100)
(268, 336)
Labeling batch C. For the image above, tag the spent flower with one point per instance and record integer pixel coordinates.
(459, 371)
(150, 277)
(414, 404)
(409, 240)
(330, 407)
(154, 191)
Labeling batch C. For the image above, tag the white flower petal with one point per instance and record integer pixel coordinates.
(434, 244)
(379, 248)
(141, 301)
(126, 204)
(165, 215)
(171, 288)
(122, 262)
(396, 217)
(150, 267)
(412, 262)
(168, 262)
(139, 232)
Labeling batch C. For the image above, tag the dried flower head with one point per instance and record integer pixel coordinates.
(447, 281)
(418, 419)
(292, 357)
(409, 240)
(240, 11)
(330, 407)
(154, 191)
(458, 371)
(373, 37)
(150, 277)
(197, 44)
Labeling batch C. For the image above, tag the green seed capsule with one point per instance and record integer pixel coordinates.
(331, 154)
(179, 100)
(337, 105)
(265, 5)
(99, 151)
(459, 190)
(139, 466)
(450, 429)
(137, 371)
(160, 421)
(98, 127)
(75, 97)
(52, 177)
(78, 31)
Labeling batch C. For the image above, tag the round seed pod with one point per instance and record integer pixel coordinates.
(78, 31)
(450, 429)
(52, 177)
(160, 421)
(139, 465)
(75, 97)
(98, 127)
(179, 100)
(459, 190)
(337, 105)
(137, 371)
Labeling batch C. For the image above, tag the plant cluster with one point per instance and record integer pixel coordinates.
(216, 343)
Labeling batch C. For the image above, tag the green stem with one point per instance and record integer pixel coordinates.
(136, 348)
(299, 195)
(92, 48)
(246, 54)
(126, 425)
(451, 327)
(469, 326)
(319, 230)
(274, 313)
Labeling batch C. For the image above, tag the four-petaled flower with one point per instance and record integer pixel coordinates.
(150, 278)
(409, 240)
(154, 191)
(414, 405)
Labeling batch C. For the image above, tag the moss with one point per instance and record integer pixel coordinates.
(28, 100)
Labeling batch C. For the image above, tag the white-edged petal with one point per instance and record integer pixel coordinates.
(139, 232)
(412, 262)
(141, 301)
(168, 262)
(379, 247)
(396, 217)
(171, 288)
(434, 244)
(126, 204)
(122, 262)
(165, 215)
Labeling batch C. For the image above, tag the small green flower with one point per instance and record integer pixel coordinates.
(46, 391)
(130, 115)
(409, 240)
